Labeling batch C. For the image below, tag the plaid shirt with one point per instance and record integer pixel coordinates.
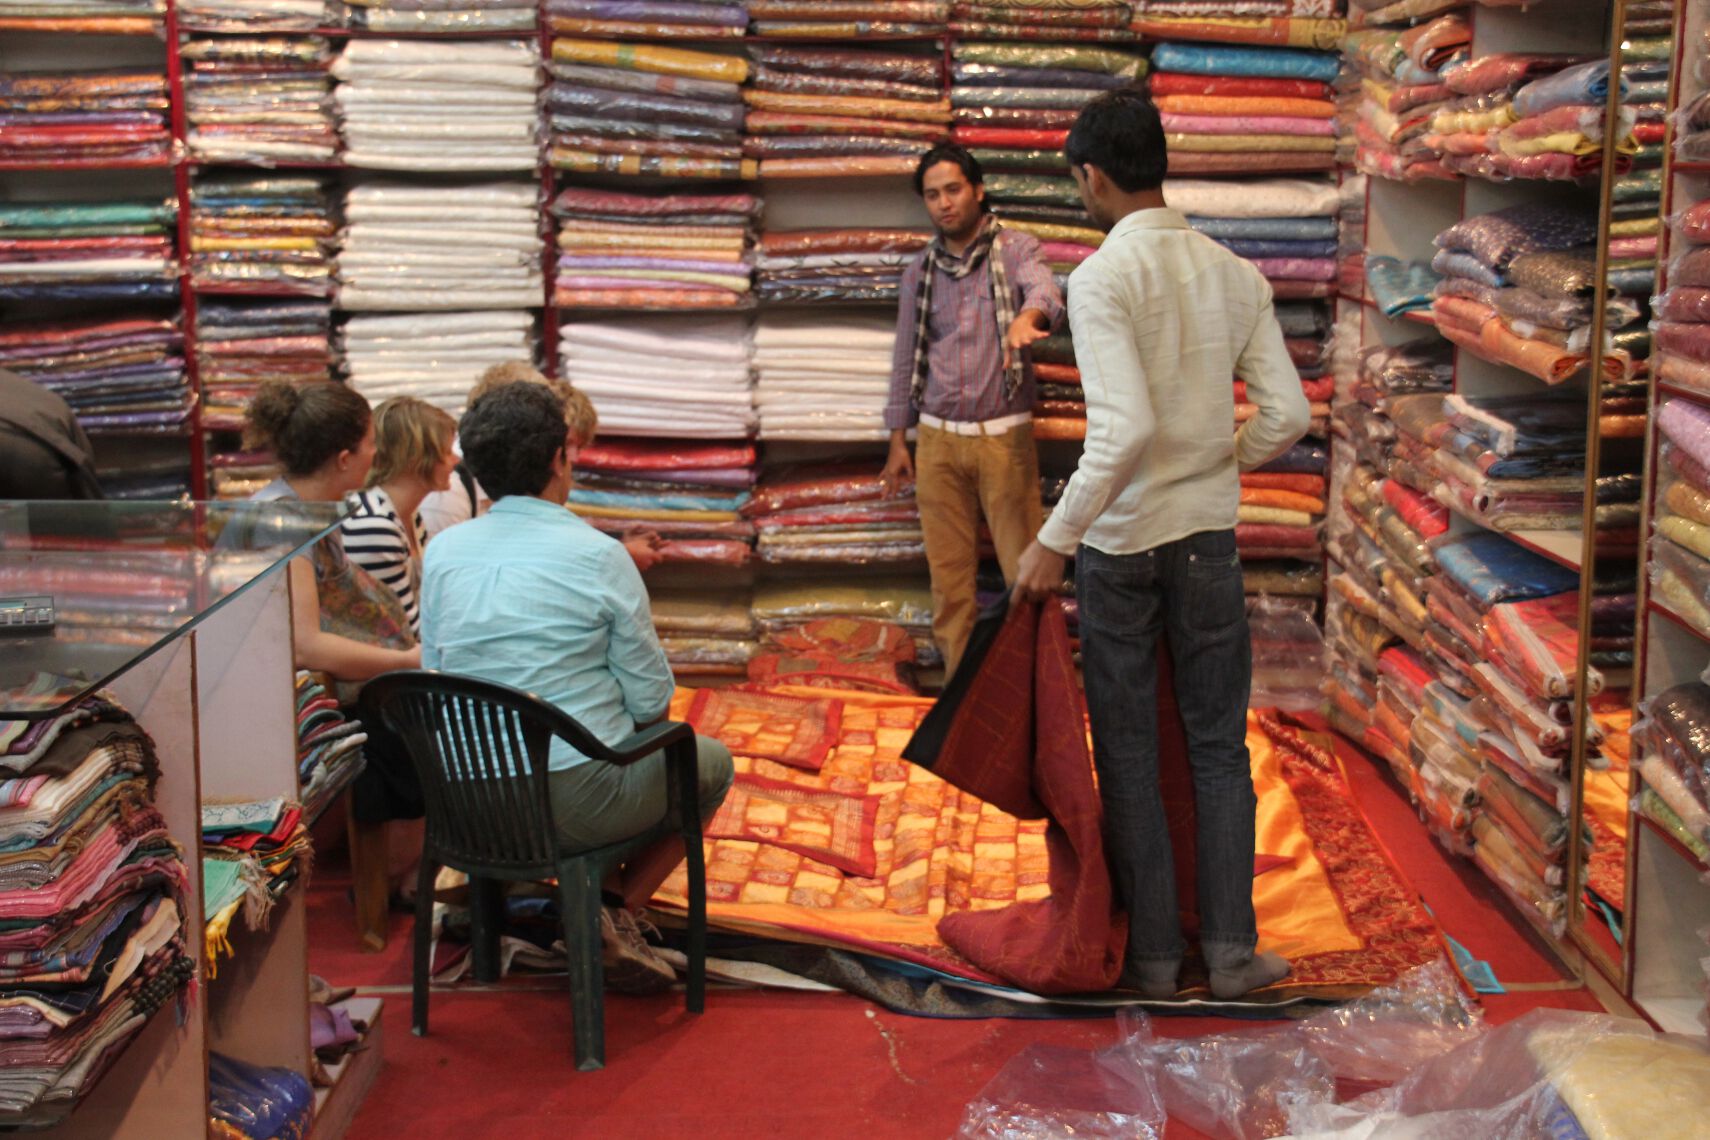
(965, 359)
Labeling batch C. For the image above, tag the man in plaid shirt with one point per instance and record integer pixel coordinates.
(970, 304)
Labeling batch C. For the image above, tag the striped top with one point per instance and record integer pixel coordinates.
(374, 539)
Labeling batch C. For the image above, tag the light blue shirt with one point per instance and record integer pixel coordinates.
(531, 596)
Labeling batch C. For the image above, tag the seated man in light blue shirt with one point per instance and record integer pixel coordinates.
(529, 595)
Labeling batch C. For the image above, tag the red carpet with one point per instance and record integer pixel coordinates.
(760, 1064)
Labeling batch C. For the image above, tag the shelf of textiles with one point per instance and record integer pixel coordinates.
(84, 17)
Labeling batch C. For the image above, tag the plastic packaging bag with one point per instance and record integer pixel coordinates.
(1051, 1091)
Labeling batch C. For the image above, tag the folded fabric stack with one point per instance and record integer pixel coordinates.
(677, 376)
(259, 100)
(85, 118)
(1013, 105)
(409, 105)
(823, 376)
(120, 375)
(1245, 110)
(1526, 115)
(1282, 503)
(329, 747)
(1682, 311)
(398, 252)
(253, 1102)
(705, 632)
(115, 17)
(845, 613)
(1285, 226)
(240, 344)
(1059, 404)
(667, 251)
(1675, 765)
(647, 19)
(439, 17)
(837, 515)
(619, 108)
(839, 265)
(1400, 73)
(1288, 654)
(1062, 21)
(253, 16)
(816, 112)
(240, 474)
(847, 19)
(1647, 60)
(688, 494)
(88, 251)
(436, 357)
(1519, 287)
(1273, 23)
(1400, 287)
(261, 232)
(250, 855)
(1680, 546)
(94, 892)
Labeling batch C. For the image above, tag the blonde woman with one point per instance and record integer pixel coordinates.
(412, 457)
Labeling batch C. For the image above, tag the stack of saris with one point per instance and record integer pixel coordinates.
(836, 514)
(121, 375)
(667, 251)
(88, 251)
(259, 100)
(686, 377)
(848, 617)
(239, 344)
(1674, 743)
(1682, 330)
(823, 376)
(847, 19)
(439, 17)
(835, 112)
(1057, 21)
(1234, 109)
(329, 747)
(1284, 226)
(1680, 545)
(435, 356)
(689, 494)
(646, 19)
(413, 247)
(85, 118)
(1554, 132)
(835, 265)
(110, 17)
(618, 108)
(1400, 89)
(250, 16)
(94, 896)
(261, 232)
(708, 633)
(409, 105)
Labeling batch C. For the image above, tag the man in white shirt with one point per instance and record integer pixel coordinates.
(1163, 320)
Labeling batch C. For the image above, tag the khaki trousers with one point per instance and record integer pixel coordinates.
(957, 479)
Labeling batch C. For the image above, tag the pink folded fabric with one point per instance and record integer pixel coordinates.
(1247, 125)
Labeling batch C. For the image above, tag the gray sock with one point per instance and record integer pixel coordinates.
(1154, 979)
(1232, 981)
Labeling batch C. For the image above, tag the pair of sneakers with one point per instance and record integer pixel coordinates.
(632, 964)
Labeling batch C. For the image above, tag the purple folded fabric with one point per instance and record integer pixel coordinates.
(724, 268)
(652, 11)
(1298, 268)
(1687, 426)
(1247, 125)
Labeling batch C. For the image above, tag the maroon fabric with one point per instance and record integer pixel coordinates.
(1018, 741)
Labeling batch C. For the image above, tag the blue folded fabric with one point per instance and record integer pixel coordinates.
(1456, 263)
(1400, 286)
(1285, 229)
(1301, 459)
(1492, 569)
(1581, 84)
(1269, 63)
(1633, 282)
(1260, 247)
(669, 502)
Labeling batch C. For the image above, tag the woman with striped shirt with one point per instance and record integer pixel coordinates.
(413, 456)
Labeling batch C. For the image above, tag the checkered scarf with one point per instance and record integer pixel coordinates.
(985, 248)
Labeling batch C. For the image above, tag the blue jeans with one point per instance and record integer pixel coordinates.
(1190, 590)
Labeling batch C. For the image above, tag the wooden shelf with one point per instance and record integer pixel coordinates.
(1658, 608)
(1665, 388)
(1673, 844)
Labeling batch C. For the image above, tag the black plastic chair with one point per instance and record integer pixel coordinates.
(480, 751)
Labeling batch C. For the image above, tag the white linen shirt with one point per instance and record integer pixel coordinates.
(1164, 321)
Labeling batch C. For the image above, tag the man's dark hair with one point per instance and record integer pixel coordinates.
(1120, 133)
(509, 437)
(948, 152)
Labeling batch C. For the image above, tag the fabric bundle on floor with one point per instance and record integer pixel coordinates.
(261, 231)
(435, 357)
(85, 118)
(409, 105)
(88, 251)
(116, 17)
(251, 16)
(1249, 129)
(835, 265)
(1075, 21)
(121, 375)
(439, 17)
(847, 19)
(240, 344)
(835, 112)
(94, 898)
(646, 251)
(618, 108)
(1401, 89)
(259, 100)
(647, 19)
(823, 376)
(688, 494)
(399, 250)
(838, 514)
(685, 377)
(704, 632)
